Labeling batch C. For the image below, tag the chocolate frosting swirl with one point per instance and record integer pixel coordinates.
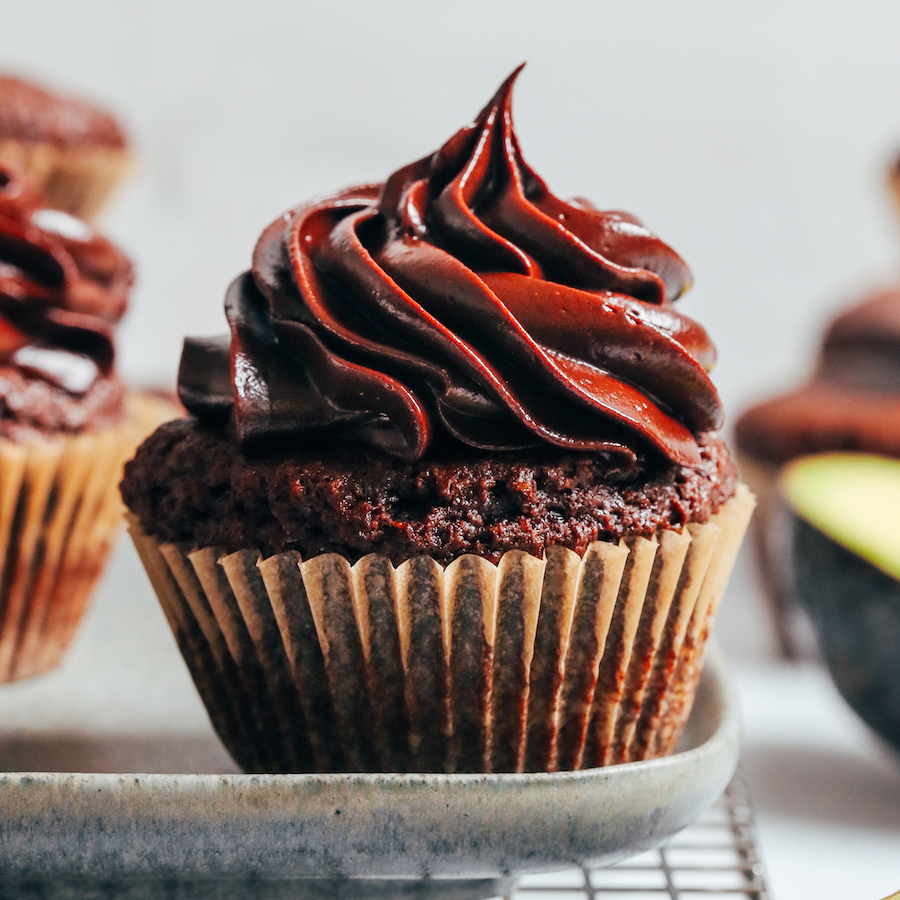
(63, 288)
(460, 297)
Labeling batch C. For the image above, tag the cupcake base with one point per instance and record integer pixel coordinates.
(59, 515)
(565, 662)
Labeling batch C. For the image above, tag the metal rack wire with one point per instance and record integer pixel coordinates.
(713, 859)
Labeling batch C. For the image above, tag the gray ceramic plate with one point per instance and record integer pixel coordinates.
(280, 836)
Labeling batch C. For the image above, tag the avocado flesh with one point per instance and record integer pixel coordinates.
(853, 498)
(845, 555)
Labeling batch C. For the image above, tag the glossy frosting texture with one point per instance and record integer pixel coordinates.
(460, 298)
(63, 288)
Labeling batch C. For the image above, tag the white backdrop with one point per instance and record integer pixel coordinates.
(753, 138)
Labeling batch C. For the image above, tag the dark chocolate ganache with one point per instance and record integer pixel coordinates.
(459, 301)
(63, 288)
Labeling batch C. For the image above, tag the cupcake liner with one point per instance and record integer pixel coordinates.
(615, 725)
(224, 694)
(59, 515)
(663, 658)
(76, 180)
(518, 610)
(384, 665)
(532, 664)
(259, 679)
(732, 522)
(604, 570)
(420, 617)
(195, 622)
(770, 539)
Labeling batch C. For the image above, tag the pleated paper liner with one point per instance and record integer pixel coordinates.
(59, 515)
(770, 538)
(529, 665)
(76, 180)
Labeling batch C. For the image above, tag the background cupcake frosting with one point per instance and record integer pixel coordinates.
(63, 290)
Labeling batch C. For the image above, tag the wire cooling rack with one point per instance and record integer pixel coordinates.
(713, 859)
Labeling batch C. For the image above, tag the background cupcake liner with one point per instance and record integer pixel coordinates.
(59, 514)
(527, 665)
(76, 180)
(770, 537)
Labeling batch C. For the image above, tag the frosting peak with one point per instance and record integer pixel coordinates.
(461, 297)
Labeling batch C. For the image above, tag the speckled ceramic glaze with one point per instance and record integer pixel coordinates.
(457, 836)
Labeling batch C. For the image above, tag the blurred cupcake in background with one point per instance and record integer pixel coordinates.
(73, 152)
(851, 402)
(66, 421)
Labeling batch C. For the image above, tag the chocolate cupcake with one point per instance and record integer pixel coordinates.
(72, 151)
(850, 403)
(66, 424)
(451, 498)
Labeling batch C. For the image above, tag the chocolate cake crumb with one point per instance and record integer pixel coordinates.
(189, 482)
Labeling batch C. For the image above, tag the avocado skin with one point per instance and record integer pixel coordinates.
(855, 609)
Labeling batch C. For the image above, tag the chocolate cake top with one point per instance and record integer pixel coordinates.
(460, 301)
(32, 114)
(188, 483)
(63, 288)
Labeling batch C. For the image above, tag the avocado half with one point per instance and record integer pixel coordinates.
(845, 549)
